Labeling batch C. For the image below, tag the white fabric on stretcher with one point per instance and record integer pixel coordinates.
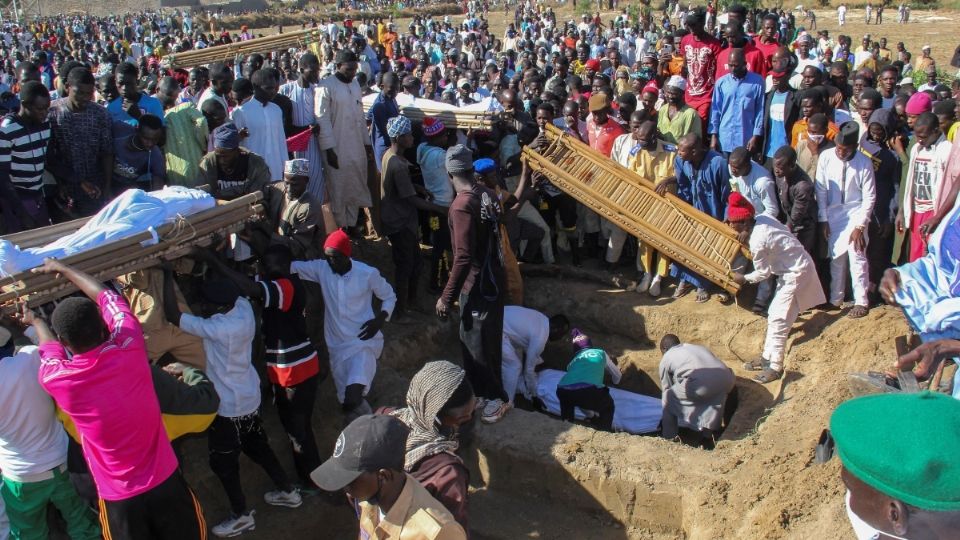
(489, 104)
(133, 212)
(633, 413)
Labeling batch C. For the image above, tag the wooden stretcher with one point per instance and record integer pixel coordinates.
(450, 119)
(126, 255)
(219, 53)
(668, 224)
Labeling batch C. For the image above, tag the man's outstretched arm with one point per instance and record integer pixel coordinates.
(87, 284)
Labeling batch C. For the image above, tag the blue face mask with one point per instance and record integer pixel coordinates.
(526, 105)
(646, 73)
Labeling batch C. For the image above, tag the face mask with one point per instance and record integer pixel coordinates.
(815, 138)
(646, 73)
(862, 529)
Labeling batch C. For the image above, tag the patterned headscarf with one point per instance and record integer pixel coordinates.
(397, 126)
(430, 389)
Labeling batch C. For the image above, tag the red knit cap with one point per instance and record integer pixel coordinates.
(739, 208)
(339, 241)
(592, 64)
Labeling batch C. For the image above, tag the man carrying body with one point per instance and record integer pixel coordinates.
(695, 385)
(343, 140)
(368, 463)
(525, 335)
(104, 385)
(293, 215)
(228, 328)
(232, 171)
(351, 329)
(845, 196)
(33, 451)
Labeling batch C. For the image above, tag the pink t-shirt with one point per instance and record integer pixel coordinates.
(108, 393)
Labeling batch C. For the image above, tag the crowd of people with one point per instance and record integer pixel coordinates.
(829, 162)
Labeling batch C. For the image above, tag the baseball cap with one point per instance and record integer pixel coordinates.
(370, 443)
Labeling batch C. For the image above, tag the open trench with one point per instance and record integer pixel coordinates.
(534, 476)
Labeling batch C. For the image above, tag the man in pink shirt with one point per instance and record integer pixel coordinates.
(94, 364)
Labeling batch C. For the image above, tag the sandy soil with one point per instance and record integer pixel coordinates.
(760, 482)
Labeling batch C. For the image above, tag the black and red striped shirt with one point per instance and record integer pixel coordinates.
(291, 357)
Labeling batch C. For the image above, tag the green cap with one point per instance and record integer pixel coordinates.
(903, 445)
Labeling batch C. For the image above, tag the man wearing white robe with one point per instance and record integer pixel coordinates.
(263, 122)
(525, 335)
(348, 287)
(302, 93)
(343, 140)
(776, 252)
(846, 192)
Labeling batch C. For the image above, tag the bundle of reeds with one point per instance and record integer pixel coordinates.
(267, 44)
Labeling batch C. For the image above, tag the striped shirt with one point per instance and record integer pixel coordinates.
(23, 151)
(291, 357)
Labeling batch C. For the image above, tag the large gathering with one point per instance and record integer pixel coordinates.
(375, 254)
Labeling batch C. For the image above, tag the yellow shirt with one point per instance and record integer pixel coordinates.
(952, 132)
(654, 164)
(416, 515)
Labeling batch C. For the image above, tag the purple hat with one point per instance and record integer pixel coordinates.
(919, 103)
(579, 339)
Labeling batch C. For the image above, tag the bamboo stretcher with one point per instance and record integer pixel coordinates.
(219, 53)
(450, 119)
(126, 255)
(671, 226)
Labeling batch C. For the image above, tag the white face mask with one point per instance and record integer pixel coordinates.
(815, 138)
(862, 529)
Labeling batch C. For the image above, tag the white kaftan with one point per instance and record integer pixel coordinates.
(347, 306)
(343, 127)
(525, 330)
(777, 252)
(846, 192)
(266, 138)
(304, 115)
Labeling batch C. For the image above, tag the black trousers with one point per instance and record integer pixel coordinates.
(407, 264)
(481, 333)
(439, 259)
(226, 439)
(589, 398)
(295, 407)
(169, 511)
(879, 258)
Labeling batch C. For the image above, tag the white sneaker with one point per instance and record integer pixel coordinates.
(494, 411)
(290, 499)
(644, 284)
(235, 525)
(655, 287)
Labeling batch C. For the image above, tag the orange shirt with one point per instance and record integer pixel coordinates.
(800, 128)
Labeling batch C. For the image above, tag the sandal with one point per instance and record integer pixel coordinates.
(756, 364)
(702, 296)
(683, 289)
(724, 297)
(858, 312)
(768, 375)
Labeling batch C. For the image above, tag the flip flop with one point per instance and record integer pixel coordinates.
(858, 312)
(724, 297)
(824, 449)
(682, 290)
(768, 375)
(702, 296)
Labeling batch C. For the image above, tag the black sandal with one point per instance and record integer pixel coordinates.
(858, 312)
(755, 365)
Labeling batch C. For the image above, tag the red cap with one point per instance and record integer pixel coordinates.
(339, 241)
(739, 208)
(651, 87)
(592, 64)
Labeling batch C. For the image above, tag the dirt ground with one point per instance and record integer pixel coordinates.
(760, 482)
